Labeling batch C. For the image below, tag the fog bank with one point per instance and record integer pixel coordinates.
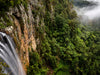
(91, 12)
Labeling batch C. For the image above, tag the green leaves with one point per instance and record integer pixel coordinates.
(67, 41)
(2, 25)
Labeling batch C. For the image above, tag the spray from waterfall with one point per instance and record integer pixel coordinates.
(9, 55)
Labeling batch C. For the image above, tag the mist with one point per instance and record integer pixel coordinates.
(91, 12)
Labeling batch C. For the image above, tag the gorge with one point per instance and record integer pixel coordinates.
(49, 37)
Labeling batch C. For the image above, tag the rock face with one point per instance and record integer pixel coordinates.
(24, 25)
(24, 32)
(9, 29)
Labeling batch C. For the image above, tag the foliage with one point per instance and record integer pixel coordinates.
(66, 47)
(36, 64)
(5, 4)
(2, 64)
(67, 42)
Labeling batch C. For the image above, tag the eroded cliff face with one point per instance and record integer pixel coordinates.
(25, 21)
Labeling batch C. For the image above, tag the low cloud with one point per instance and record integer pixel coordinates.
(90, 12)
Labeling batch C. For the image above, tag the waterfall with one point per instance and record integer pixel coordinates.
(9, 55)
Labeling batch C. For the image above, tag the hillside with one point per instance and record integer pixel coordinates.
(49, 38)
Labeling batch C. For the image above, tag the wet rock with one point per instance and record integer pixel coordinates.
(9, 29)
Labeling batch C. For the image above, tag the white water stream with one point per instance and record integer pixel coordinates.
(9, 55)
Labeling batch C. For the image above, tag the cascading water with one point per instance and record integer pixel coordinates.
(9, 55)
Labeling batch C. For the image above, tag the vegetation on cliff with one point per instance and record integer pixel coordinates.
(66, 47)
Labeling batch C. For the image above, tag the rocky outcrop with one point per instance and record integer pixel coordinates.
(25, 22)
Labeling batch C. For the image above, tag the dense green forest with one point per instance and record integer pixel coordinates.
(68, 48)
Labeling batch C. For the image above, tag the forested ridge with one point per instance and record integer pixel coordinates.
(66, 47)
